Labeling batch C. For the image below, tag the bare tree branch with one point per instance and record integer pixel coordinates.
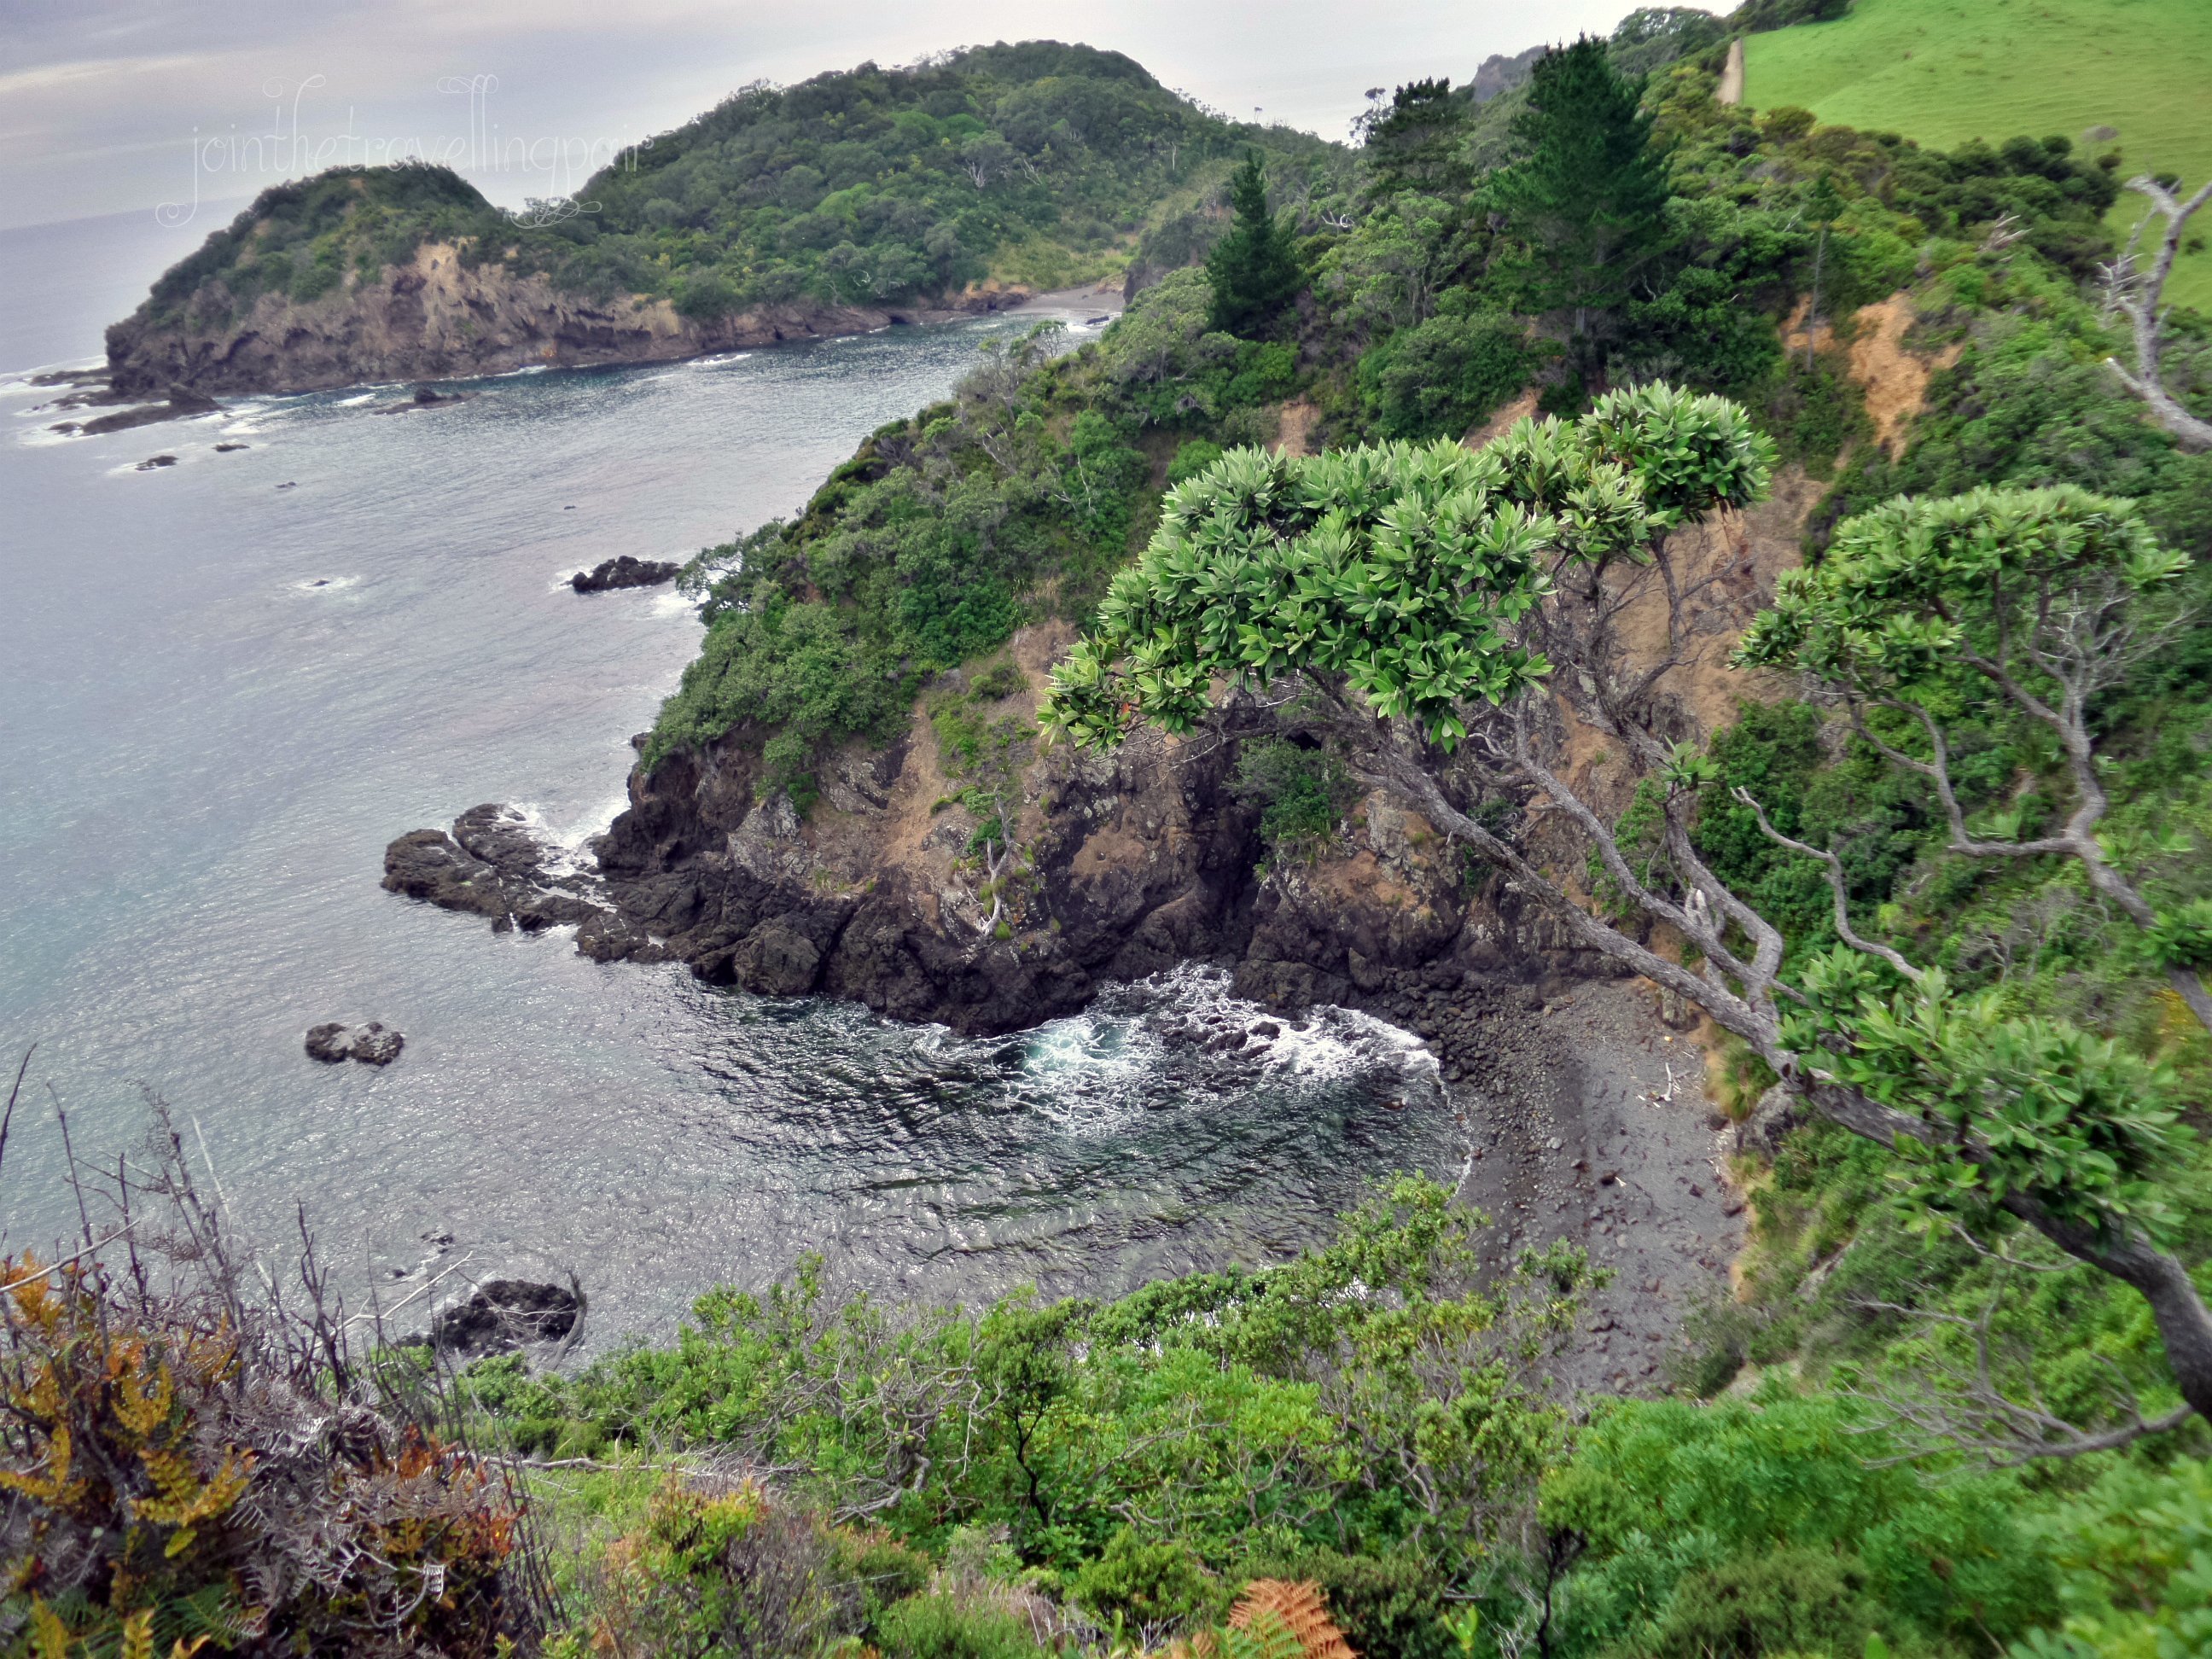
(2140, 295)
(1834, 867)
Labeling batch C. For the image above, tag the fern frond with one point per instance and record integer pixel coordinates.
(1299, 1609)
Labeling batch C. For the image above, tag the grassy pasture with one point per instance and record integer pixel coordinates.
(1943, 71)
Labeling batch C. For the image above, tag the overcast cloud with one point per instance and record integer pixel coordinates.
(108, 106)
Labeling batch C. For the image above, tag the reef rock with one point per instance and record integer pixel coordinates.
(372, 1044)
(623, 571)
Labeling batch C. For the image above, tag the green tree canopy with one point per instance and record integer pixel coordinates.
(1406, 587)
(1254, 268)
(1586, 203)
(1403, 569)
(1418, 144)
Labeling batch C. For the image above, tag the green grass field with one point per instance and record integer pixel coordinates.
(1942, 71)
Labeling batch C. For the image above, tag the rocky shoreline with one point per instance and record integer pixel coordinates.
(1584, 1114)
(438, 318)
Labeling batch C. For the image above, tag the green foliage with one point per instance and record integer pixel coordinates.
(1139, 1585)
(1756, 16)
(1191, 456)
(1585, 206)
(1369, 1396)
(1302, 792)
(304, 238)
(997, 683)
(1446, 376)
(2072, 1119)
(2029, 402)
(1753, 1528)
(1906, 585)
(1254, 269)
(1417, 143)
(940, 1628)
(2134, 1560)
(1404, 570)
(1947, 75)
(869, 186)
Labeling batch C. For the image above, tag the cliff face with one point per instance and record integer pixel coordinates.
(1137, 862)
(436, 318)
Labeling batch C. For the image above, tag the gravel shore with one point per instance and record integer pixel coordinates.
(1587, 1120)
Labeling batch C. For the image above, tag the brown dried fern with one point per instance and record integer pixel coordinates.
(1300, 1609)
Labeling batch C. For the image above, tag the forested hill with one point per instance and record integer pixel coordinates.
(812, 208)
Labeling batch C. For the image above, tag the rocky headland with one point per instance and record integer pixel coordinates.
(441, 316)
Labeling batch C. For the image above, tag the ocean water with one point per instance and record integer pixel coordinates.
(225, 683)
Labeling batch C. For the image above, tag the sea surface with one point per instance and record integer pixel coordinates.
(225, 683)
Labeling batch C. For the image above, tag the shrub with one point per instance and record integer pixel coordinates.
(1191, 456)
(1301, 792)
(997, 683)
(1388, 1607)
(189, 1464)
(940, 1627)
(1446, 376)
(1806, 1601)
(719, 1566)
(1147, 1587)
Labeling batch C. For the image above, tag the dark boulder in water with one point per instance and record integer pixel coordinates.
(624, 572)
(502, 1313)
(329, 1042)
(372, 1044)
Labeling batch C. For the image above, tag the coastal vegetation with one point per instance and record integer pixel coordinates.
(2112, 74)
(1037, 165)
(1919, 1427)
(1941, 884)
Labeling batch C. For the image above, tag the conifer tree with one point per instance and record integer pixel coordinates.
(1586, 203)
(1418, 143)
(1254, 268)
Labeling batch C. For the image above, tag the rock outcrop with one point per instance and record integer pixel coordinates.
(504, 1314)
(490, 864)
(438, 318)
(1131, 862)
(372, 1044)
(624, 571)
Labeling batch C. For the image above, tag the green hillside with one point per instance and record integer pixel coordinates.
(1038, 164)
(1943, 71)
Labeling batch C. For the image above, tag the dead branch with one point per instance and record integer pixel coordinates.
(2139, 295)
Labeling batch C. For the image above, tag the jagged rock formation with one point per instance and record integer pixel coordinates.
(624, 571)
(1131, 862)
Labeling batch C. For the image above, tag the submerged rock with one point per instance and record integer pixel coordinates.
(372, 1044)
(425, 397)
(502, 1313)
(624, 572)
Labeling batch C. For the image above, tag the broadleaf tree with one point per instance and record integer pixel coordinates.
(1429, 607)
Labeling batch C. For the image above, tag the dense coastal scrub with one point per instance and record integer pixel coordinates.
(1869, 1471)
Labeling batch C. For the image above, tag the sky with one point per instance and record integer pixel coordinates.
(186, 109)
